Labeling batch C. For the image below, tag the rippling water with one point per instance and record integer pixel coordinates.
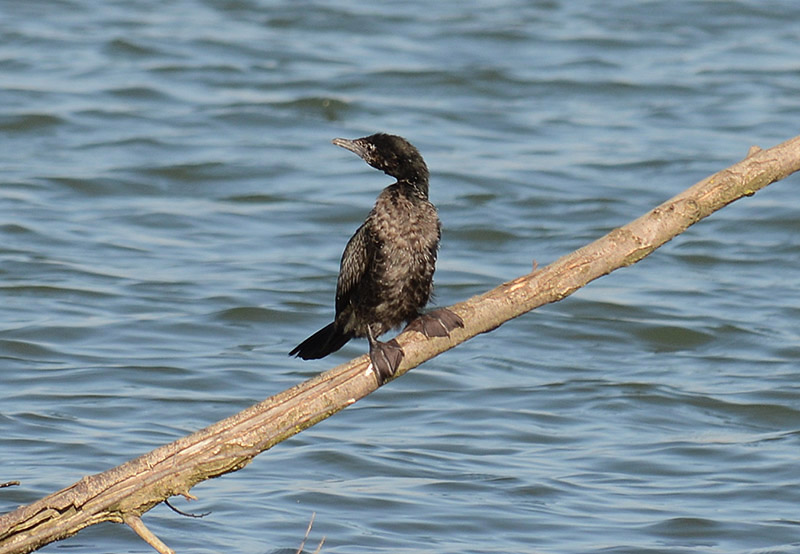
(172, 215)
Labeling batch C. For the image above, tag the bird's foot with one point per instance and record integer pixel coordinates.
(437, 323)
(386, 358)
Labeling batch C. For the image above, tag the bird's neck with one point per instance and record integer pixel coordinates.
(413, 179)
(414, 187)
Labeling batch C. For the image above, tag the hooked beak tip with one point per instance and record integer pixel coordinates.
(352, 145)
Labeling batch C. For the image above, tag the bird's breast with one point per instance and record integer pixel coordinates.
(405, 225)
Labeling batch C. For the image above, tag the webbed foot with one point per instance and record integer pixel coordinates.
(437, 323)
(386, 358)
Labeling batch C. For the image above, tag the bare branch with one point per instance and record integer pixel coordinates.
(308, 532)
(136, 523)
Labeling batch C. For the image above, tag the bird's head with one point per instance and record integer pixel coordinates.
(391, 154)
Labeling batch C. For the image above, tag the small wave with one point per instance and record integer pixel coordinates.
(30, 122)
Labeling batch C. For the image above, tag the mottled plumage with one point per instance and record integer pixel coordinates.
(386, 273)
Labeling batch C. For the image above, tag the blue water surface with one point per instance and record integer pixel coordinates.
(172, 215)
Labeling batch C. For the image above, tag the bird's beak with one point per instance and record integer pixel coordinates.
(352, 145)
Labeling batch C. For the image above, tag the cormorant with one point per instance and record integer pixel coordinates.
(386, 272)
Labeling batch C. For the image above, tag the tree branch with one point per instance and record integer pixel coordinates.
(125, 492)
(136, 523)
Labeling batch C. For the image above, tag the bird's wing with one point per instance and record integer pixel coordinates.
(354, 265)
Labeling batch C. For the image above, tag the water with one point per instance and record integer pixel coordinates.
(172, 215)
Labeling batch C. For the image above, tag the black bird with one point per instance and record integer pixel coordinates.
(386, 272)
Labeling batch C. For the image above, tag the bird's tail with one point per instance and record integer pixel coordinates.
(325, 341)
